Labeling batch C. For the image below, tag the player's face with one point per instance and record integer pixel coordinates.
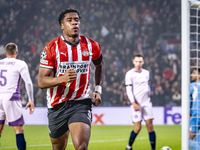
(194, 75)
(138, 63)
(71, 25)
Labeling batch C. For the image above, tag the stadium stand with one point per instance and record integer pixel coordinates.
(123, 28)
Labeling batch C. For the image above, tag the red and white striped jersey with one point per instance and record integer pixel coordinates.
(59, 55)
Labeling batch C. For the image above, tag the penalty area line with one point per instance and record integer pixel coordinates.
(70, 143)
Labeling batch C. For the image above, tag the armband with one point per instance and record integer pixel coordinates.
(98, 88)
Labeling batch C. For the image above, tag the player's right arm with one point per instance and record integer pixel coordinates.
(45, 80)
(46, 70)
(129, 91)
(29, 87)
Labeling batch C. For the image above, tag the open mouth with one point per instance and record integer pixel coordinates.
(75, 28)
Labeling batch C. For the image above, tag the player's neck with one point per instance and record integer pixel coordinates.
(11, 56)
(72, 40)
(138, 70)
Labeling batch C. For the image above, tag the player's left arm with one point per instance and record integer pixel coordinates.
(149, 85)
(99, 77)
(29, 88)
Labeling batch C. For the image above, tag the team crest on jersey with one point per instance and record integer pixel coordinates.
(85, 53)
(43, 55)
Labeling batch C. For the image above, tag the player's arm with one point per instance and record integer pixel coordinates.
(45, 80)
(99, 76)
(149, 86)
(129, 91)
(29, 88)
(191, 97)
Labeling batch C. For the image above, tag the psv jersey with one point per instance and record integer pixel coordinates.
(60, 55)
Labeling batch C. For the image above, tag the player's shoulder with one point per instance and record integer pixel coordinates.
(22, 62)
(145, 70)
(130, 72)
(193, 83)
(196, 83)
(52, 43)
(91, 41)
(2, 59)
(18, 63)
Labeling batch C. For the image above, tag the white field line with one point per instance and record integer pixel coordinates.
(99, 141)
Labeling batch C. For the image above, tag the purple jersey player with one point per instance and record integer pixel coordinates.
(138, 91)
(11, 72)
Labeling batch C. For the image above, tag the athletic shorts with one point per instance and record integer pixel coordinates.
(68, 112)
(194, 124)
(145, 113)
(12, 111)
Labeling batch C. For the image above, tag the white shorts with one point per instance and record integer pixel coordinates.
(145, 113)
(12, 111)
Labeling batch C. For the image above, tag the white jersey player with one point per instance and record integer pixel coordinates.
(11, 72)
(138, 91)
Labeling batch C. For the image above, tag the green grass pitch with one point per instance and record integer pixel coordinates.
(103, 137)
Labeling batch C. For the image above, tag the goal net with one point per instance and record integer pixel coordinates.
(190, 61)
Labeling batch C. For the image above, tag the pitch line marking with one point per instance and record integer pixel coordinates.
(70, 143)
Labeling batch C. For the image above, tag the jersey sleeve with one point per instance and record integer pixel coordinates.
(128, 80)
(28, 84)
(22, 67)
(129, 87)
(149, 93)
(47, 57)
(24, 72)
(96, 50)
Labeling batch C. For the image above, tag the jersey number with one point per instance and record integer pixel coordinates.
(3, 83)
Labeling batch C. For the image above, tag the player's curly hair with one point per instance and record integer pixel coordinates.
(68, 10)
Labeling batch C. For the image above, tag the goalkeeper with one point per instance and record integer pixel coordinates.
(195, 109)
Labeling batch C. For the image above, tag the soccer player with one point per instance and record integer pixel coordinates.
(65, 72)
(138, 91)
(195, 110)
(11, 72)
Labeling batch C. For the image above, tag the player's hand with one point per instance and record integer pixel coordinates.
(31, 107)
(70, 75)
(96, 98)
(136, 106)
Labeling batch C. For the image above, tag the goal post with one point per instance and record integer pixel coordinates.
(188, 36)
(185, 73)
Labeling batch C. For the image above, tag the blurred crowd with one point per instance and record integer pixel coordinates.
(123, 28)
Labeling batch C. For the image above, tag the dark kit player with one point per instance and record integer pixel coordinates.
(65, 72)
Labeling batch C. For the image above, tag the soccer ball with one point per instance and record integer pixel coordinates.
(165, 148)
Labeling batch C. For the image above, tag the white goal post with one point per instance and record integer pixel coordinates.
(186, 6)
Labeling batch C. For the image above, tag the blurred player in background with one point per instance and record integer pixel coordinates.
(195, 110)
(138, 91)
(65, 72)
(11, 72)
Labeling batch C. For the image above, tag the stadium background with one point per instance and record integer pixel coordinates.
(123, 28)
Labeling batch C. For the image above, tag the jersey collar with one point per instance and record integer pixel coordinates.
(74, 45)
